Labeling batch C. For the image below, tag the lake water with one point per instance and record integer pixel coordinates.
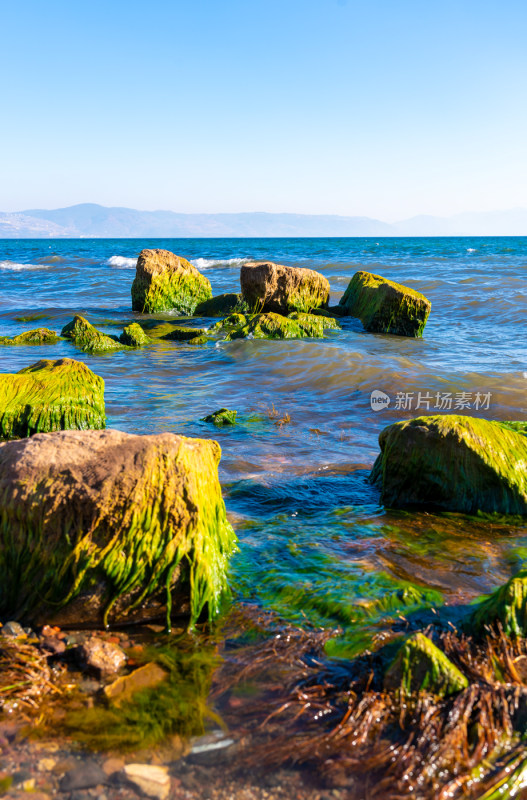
(315, 545)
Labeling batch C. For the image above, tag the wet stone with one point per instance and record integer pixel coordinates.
(12, 628)
(106, 657)
(84, 776)
(152, 780)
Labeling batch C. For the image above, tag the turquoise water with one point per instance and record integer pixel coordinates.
(315, 545)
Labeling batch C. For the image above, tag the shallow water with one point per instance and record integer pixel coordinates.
(315, 545)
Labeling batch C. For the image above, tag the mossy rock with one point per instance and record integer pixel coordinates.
(50, 396)
(384, 306)
(37, 336)
(506, 606)
(179, 333)
(421, 666)
(89, 339)
(224, 416)
(197, 340)
(220, 305)
(101, 527)
(452, 463)
(270, 287)
(165, 282)
(134, 336)
(275, 326)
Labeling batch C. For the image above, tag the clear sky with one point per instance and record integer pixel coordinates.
(381, 108)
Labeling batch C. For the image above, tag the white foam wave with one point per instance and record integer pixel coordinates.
(121, 262)
(471, 249)
(15, 266)
(207, 263)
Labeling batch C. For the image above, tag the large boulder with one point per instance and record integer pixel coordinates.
(87, 338)
(165, 282)
(453, 463)
(384, 306)
(103, 527)
(273, 287)
(50, 396)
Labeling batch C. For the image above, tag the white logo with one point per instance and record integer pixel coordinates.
(379, 400)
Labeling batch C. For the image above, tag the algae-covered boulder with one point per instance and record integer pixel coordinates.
(50, 396)
(384, 306)
(220, 305)
(421, 666)
(452, 463)
(102, 527)
(273, 287)
(134, 336)
(275, 326)
(179, 333)
(164, 281)
(89, 339)
(224, 416)
(37, 336)
(506, 606)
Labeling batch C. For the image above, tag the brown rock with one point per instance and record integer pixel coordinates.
(152, 780)
(145, 677)
(105, 657)
(109, 519)
(274, 287)
(112, 765)
(164, 281)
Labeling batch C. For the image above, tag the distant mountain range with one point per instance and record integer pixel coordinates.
(93, 221)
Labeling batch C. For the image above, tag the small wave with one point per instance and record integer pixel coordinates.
(51, 260)
(121, 262)
(207, 263)
(15, 266)
(471, 249)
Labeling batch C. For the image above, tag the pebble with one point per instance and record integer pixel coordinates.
(152, 781)
(83, 776)
(106, 657)
(13, 628)
(112, 765)
(143, 678)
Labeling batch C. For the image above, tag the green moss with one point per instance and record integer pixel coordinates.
(275, 326)
(420, 666)
(31, 317)
(453, 463)
(89, 339)
(518, 427)
(50, 396)
(163, 538)
(177, 706)
(197, 340)
(134, 336)
(384, 306)
(37, 336)
(221, 305)
(506, 606)
(314, 325)
(178, 333)
(222, 417)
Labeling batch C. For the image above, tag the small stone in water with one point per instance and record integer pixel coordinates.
(83, 777)
(107, 657)
(13, 628)
(151, 780)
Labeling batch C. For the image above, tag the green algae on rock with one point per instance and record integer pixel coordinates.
(274, 287)
(37, 336)
(220, 305)
(275, 326)
(452, 463)
(134, 336)
(89, 339)
(421, 666)
(384, 306)
(50, 396)
(506, 606)
(179, 333)
(104, 526)
(224, 416)
(165, 282)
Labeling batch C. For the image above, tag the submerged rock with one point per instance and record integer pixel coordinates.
(179, 333)
(421, 666)
(134, 336)
(273, 287)
(220, 305)
(506, 606)
(452, 463)
(105, 657)
(384, 306)
(224, 416)
(145, 677)
(89, 339)
(104, 526)
(149, 779)
(275, 326)
(37, 336)
(50, 396)
(164, 281)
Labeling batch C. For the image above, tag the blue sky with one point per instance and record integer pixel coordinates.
(384, 108)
